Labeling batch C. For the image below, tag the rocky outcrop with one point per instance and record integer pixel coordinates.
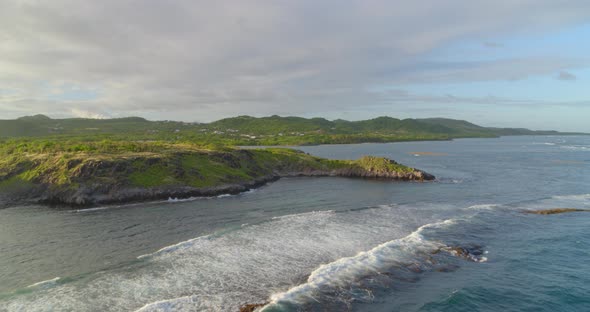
(251, 307)
(554, 211)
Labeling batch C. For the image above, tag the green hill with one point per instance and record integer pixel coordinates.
(247, 130)
(41, 125)
(380, 129)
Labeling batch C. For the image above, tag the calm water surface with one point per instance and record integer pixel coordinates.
(336, 244)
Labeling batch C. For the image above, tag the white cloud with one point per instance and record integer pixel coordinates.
(87, 114)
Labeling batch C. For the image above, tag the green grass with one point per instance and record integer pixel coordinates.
(380, 164)
(69, 164)
(15, 184)
(150, 176)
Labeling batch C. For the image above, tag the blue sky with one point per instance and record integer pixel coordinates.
(568, 44)
(497, 63)
(558, 99)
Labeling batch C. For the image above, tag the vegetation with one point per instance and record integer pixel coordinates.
(246, 130)
(156, 164)
(73, 159)
(71, 171)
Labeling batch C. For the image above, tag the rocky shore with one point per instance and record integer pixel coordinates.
(87, 180)
(555, 211)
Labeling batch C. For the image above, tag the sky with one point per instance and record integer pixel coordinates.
(499, 63)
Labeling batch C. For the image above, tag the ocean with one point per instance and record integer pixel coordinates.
(461, 243)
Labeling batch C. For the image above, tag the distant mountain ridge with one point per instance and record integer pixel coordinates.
(41, 125)
(373, 130)
(272, 124)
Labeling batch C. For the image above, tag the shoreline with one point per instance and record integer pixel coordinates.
(86, 181)
(134, 195)
(18, 187)
(411, 140)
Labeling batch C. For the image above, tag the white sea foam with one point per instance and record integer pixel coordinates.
(483, 207)
(305, 214)
(175, 247)
(223, 271)
(250, 191)
(116, 206)
(580, 197)
(92, 209)
(169, 200)
(180, 200)
(193, 198)
(185, 303)
(469, 256)
(576, 147)
(43, 284)
(345, 270)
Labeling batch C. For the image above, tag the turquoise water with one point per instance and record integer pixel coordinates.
(327, 244)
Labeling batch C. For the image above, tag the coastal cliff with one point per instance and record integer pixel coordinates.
(91, 178)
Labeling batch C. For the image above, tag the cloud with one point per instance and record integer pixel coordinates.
(88, 114)
(490, 44)
(565, 76)
(202, 60)
(407, 98)
(470, 71)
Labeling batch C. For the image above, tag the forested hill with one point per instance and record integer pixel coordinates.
(273, 130)
(382, 125)
(41, 125)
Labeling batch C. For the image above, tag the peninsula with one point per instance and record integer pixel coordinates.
(74, 173)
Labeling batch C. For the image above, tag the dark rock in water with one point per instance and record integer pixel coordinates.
(415, 267)
(407, 276)
(459, 251)
(554, 211)
(468, 252)
(251, 307)
(447, 268)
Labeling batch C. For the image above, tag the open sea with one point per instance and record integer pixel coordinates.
(461, 243)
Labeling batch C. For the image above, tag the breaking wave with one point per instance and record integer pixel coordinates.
(410, 252)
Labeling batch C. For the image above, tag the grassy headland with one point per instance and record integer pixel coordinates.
(75, 172)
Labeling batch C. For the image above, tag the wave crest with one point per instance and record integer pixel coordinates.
(403, 251)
